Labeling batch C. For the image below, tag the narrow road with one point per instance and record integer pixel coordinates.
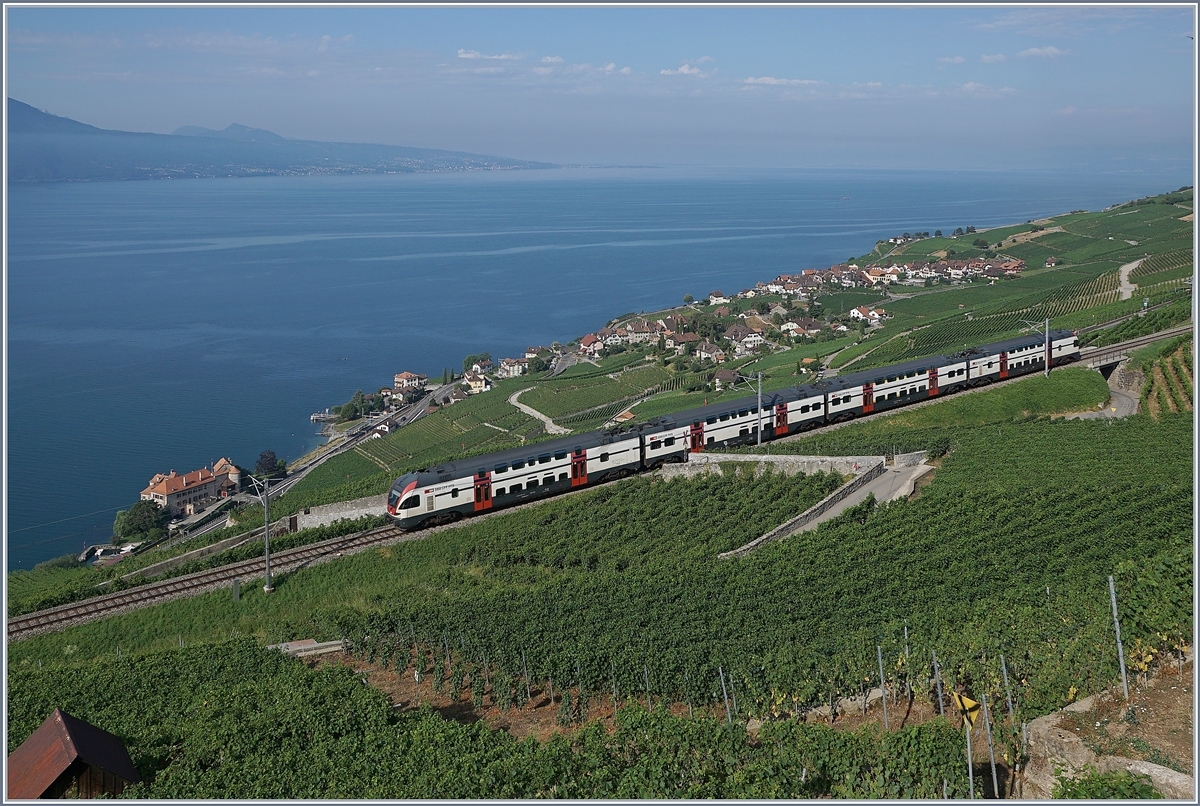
(551, 428)
(1127, 288)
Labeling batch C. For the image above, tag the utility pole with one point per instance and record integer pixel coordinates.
(760, 417)
(1049, 348)
(264, 495)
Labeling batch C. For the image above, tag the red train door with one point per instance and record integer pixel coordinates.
(781, 419)
(1003, 365)
(868, 398)
(933, 380)
(697, 437)
(578, 468)
(483, 491)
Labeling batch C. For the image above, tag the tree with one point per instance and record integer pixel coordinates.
(139, 522)
(267, 463)
(980, 243)
(445, 377)
(479, 358)
(763, 306)
(538, 364)
(958, 232)
(937, 233)
(970, 230)
(688, 299)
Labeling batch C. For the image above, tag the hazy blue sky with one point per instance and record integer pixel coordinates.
(1095, 87)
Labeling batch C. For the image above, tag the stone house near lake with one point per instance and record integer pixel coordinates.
(186, 494)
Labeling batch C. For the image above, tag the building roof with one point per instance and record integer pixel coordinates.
(55, 745)
(175, 483)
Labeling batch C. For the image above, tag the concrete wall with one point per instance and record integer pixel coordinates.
(910, 459)
(706, 462)
(343, 510)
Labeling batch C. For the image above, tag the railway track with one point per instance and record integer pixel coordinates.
(152, 593)
(57, 618)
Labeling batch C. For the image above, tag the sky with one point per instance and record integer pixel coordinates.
(998, 87)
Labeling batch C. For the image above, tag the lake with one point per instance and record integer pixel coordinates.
(161, 325)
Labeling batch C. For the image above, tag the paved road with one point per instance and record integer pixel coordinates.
(891, 485)
(551, 428)
(1127, 288)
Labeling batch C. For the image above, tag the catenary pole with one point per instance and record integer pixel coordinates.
(760, 417)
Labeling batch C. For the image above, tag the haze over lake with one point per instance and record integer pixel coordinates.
(161, 325)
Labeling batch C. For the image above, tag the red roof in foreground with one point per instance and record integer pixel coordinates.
(55, 745)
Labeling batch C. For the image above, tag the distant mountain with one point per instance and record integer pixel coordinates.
(48, 148)
(234, 131)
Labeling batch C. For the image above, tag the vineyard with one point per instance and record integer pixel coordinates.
(1170, 385)
(1168, 316)
(621, 587)
(198, 727)
(1163, 264)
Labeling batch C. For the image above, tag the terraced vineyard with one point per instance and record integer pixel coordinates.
(1170, 385)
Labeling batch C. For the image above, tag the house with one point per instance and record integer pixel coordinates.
(1013, 268)
(869, 315)
(1051, 262)
(722, 312)
(69, 758)
(534, 352)
(609, 336)
(717, 298)
(681, 340)
(512, 367)
(726, 377)
(746, 293)
(777, 309)
(482, 366)
(229, 477)
(710, 352)
(803, 326)
(640, 332)
(182, 494)
(477, 382)
(590, 345)
(455, 396)
(838, 328)
(409, 380)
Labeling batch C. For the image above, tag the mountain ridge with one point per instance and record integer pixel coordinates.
(43, 147)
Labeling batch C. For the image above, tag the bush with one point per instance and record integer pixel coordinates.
(1092, 785)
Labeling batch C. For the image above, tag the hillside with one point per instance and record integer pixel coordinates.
(48, 148)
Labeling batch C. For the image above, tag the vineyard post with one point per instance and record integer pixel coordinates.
(612, 665)
(970, 767)
(646, 676)
(987, 726)
(1007, 691)
(582, 701)
(937, 675)
(882, 686)
(1112, 591)
(687, 692)
(525, 668)
(486, 682)
(728, 715)
(552, 691)
(236, 589)
(733, 691)
(907, 672)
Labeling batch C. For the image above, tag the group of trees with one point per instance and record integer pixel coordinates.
(144, 521)
(359, 406)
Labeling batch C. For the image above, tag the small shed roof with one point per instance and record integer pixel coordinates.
(55, 745)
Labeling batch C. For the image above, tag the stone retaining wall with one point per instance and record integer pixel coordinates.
(343, 510)
(909, 459)
(699, 463)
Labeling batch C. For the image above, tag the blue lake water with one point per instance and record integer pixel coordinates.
(160, 325)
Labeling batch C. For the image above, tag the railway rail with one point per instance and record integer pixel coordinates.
(63, 616)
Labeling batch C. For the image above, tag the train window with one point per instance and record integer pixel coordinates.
(724, 417)
(743, 432)
(544, 459)
(578, 451)
(754, 409)
(516, 488)
(833, 401)
(817, 406)
(529, 485)
(548, 480)
(604, 457)
(669, 441)
(655, 444)
(711, 420)
(501, 468)
(499, 491)
(454, 493)
(412, 502)
(518, 465)
(711, 440)
(560, 455)
(744, 413)
(562, 476)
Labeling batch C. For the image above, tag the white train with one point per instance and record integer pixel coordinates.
(464, 487)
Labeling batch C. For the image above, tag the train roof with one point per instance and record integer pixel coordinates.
(488, 461)
(770, 399)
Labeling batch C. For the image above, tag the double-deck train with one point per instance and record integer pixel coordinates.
(491, 481)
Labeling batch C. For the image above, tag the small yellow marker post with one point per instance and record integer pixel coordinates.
(969, 710)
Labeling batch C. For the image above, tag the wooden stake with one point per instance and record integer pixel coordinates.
(937, 675)
(728, 715)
